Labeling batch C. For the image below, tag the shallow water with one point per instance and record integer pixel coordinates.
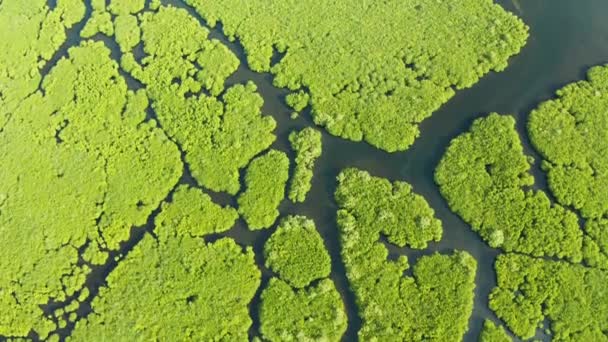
(567, 37)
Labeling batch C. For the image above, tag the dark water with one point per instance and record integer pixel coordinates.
(567, 37)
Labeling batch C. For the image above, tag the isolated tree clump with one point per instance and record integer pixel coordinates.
(493, 333)
(176, 286)
(80, 169)
(315, 313)
(298, 101)
(265, 182)
(219, 130)
(296, 252)
(301, 303)
(484, 176)
(572, 297)
(571, 133)
(393, 210)
(373, 71)
(308, 147)
(435, 302)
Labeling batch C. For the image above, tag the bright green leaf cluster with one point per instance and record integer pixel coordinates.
(31, 35)
(493, 333)
(571, 132)
(595, 243)
(308, 147)
(436, 301)
(80, 169)
(218, 135)
(128, 34)
(265, 182)
(293, 307)
(176, 288)
(296, 252)
(298, 101)
(373, 69)
(572, 297)
(484, 175)
(124, 7)
(192, 213)
(378, 207)
(312, 314)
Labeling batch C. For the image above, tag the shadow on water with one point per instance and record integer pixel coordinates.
(567, 37)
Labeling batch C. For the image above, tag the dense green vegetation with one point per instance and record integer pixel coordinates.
(54, 155)
(312, 314)
(435, 302)
(484, 175)
(377, 206)
(295, 306)
(373, 70)
(572, 297)
(296, 252)
(97, 142)
(595, 243)
(308, 147)
(571, 132)
(298, 101)
(265, 182)
(184, 72)
(167, 286)
(493, 333)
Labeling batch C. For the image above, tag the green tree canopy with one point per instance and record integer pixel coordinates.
(296, 252)
(166, 287)
(373, 69)
(484, 176)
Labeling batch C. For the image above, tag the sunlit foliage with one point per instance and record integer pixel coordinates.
(308, 147)
(571, 132)
(312, 314)
(296, 252)
(265, 182)
(177, 287)
(373, 69)
(378, 206)
(434, 302)
(572, 297)
(484, 175)
(185, 73)
(493, 333)
(79, 170)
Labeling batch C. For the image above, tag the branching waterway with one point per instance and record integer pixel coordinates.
(567, 37)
